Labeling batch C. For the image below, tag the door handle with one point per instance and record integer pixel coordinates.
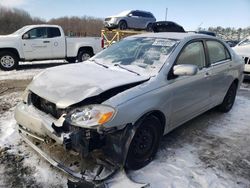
(46, 41)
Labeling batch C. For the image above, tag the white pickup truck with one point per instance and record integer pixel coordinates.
(45, 42)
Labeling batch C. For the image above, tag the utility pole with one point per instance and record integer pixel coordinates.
(166, 15)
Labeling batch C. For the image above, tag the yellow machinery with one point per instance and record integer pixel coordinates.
(111, 36)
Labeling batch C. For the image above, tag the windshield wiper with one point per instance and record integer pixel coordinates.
(105, 66)
(118, 65)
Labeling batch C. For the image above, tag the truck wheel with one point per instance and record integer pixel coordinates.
(84, 55)
(229, 99)
(144, 144)
(8, 60)
(122, 25)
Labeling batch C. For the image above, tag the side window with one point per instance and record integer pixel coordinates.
(150, 15)
(217, 52)
(135, 13)
(53, 32)
(193, 54)
(38, 33)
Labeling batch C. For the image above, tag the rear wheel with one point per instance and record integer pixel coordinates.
(149, 27)
(84, 55)
(229, 99)
(8, 60)
(144, 144)
(122, 25)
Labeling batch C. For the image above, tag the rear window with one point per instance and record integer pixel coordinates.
(217, 52)
(54, 32)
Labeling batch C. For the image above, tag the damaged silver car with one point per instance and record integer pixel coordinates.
(111, 111)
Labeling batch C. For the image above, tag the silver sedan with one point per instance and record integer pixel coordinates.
(115, 107)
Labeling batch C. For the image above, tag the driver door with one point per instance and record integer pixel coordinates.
(36, 44)
(190, 94)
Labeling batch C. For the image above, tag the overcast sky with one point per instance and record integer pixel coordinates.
(189, 13)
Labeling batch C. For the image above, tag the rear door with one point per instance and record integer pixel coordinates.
(143, 20)
(190, 94)
(57, 41)
(133, 20)
(37, 45)
(220, 64)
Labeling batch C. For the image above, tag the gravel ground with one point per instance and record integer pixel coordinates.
(211, 150)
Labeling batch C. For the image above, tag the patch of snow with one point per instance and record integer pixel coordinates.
(19, 74)
(29, 69)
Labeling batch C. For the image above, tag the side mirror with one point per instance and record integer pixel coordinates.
(185, 70)
(130, 15)
(26, 36)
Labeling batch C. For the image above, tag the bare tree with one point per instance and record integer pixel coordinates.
(13, 19)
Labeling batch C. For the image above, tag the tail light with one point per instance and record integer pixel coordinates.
(102, 43)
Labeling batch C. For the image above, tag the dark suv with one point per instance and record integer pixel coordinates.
(167, 26)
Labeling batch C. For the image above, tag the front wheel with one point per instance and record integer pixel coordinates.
(8, 60)
(122, 25)
(229, 99)
(84, 55)
(144, 144)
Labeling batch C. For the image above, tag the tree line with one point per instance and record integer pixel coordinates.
(229, 33)
(11, 19)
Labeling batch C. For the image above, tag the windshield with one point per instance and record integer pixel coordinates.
(244, 42)
(124, 13)
(20, 31)
(142, 55)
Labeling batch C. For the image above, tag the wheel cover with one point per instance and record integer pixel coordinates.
(143, 143)
(230, 99)
(7, 61)
(85, 56)
(123, 26)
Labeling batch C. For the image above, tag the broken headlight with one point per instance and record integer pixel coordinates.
(91, 115)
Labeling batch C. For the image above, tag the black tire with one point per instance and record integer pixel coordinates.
(71, 59)
(229, 99)
(122, 25)
(149, 27)
(84, 55)
(144, 144)
(8, 61)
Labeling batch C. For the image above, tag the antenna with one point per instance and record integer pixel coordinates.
(166, 15)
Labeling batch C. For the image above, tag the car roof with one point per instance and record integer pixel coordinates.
(173, 35)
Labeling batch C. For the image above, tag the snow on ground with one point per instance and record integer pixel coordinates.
(210, 151)
(27, 70)
(16, 156)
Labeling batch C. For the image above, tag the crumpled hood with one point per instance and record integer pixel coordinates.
(69, 84)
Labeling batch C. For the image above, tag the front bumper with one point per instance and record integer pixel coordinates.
(36, 122)
(110, 25)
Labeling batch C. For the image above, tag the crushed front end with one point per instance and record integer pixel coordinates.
(90, 153)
